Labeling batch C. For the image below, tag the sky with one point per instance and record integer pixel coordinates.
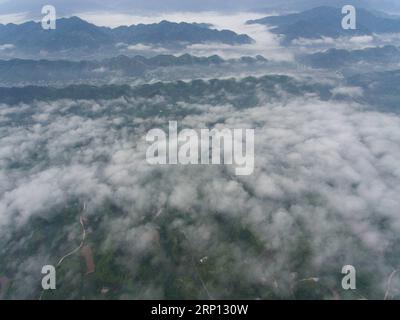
(20, 10)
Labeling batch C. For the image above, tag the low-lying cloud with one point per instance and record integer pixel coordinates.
(324, 193)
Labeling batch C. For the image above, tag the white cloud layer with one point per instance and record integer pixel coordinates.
(326, 184)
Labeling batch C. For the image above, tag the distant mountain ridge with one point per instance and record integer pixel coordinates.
(214, 91)
(337, 58)
(380, 88)
(326, 22)
(74, 33)
(296, 5)
(20, 70)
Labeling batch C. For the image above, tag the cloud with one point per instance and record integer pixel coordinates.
(353, 92)
(14, 18)
(303, 45)
(361, 39)
(143, 47)
(6, 47)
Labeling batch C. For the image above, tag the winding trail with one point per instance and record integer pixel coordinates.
(80, 246)
(81, 220)
(389, 285)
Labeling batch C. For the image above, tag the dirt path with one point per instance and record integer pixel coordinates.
(76, 250)
(80, 246)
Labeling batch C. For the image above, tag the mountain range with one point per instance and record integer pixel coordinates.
(296, 5)
(76, 34)
(380, 89)
(326, 22)
(214, 91)
(22, 71)
(338, 58)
